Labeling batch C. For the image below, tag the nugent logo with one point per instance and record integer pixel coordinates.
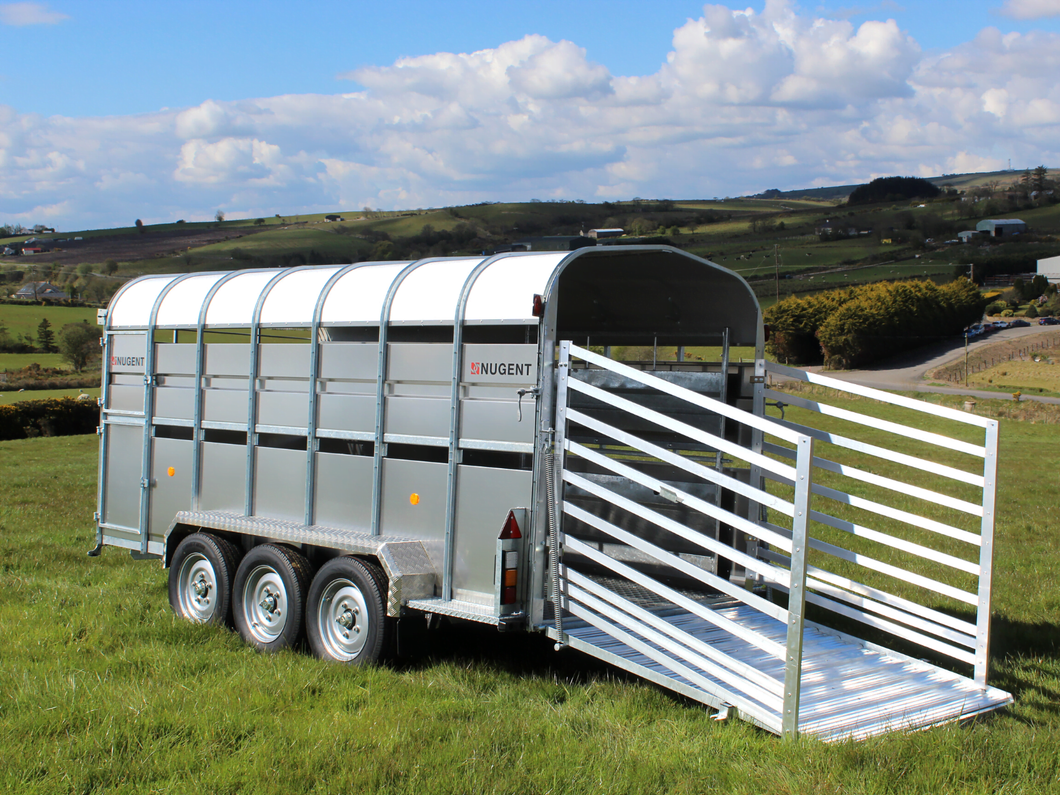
(126, 361)
(502, 368)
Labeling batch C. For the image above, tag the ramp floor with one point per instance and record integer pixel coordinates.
(848, 690)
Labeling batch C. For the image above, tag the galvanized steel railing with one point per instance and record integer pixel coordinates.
(904, 545)
(729, 677)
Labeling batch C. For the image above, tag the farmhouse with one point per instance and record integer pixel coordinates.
(40, 291)
(598, 234)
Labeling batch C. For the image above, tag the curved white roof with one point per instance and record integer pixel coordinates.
(428, 291)
(673, 292)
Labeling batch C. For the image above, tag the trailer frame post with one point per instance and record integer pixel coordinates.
(554, 472)
(312, 443)
(252, 386)
(150, 382)
(380, 394)
(986, 556)
(797, 590)
(454, 427)
(200, 377)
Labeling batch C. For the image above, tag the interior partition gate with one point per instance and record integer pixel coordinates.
(693, 536)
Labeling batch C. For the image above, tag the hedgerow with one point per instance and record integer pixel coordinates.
(53, 417)
(855, 326)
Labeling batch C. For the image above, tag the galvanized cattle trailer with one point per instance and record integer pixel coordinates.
(511, 440)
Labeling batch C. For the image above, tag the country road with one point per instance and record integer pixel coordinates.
(906, 372)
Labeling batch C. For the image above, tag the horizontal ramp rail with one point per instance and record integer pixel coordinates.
(689, 550)
(900, 542)
(645, 508)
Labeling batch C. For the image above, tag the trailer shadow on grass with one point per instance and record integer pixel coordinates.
(520, 654)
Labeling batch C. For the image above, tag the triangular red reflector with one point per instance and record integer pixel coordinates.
(511, 528)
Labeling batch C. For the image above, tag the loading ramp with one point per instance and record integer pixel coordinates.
(694, 533)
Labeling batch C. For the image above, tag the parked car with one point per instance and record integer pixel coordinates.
(1018, 323)
(1048, 321)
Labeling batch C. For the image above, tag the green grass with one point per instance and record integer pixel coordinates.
(21, 319)
(102, 689)
(16, 361)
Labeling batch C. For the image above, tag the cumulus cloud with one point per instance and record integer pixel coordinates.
(744, 101)
(1031, 9)
(22, 14)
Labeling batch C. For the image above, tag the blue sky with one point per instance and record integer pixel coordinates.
(111, 110)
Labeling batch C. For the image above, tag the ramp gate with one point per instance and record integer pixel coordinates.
(654, 478)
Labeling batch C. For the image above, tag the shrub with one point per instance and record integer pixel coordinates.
(854, 326)
(54, 417)
(1032, 311)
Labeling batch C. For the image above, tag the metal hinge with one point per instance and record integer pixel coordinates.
(145, 483)
(95, 517)
(758, 379)
(99, 430)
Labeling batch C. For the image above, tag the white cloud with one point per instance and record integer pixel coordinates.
(22, 14)
(1031, 9)
(745, 101)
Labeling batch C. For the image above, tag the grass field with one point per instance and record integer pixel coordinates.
(25, 319)
(101, 689)
(16, 361)
(1041, 377)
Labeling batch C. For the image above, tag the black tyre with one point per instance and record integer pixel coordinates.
(269, 597)
(200, 579)
(346, 617)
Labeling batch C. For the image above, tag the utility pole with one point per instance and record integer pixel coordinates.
(966, 358)
(776, 263)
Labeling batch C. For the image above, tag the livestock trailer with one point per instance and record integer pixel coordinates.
(587, 444)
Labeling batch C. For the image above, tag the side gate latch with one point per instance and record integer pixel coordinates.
(535, 391)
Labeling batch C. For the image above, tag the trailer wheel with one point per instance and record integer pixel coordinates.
(269, 595)
(347, 621)
(200, 579)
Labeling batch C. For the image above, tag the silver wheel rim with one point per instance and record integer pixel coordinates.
(197, 586)
(265, 604)
(342, 618)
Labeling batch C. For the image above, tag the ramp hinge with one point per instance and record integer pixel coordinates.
(99, 430)
(145, 483)
(95, 517)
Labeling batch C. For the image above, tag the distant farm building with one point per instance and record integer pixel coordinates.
(331, 218)
(968, 235)
(41, 291)
(1001, 227)
(1050, 269)
(599, 234)
(548, 243)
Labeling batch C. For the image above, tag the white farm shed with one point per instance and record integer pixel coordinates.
(1050, 269)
